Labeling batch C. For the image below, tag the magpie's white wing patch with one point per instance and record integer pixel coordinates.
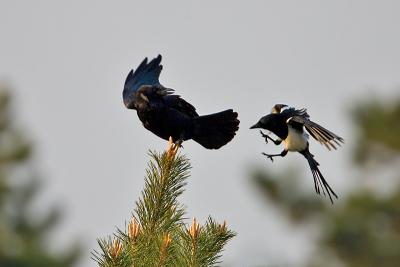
(319, 133)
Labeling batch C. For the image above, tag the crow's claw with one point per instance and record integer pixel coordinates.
(179, 143)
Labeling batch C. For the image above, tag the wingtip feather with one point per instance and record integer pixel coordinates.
(129, 76)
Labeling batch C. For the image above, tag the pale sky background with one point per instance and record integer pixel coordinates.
(67, 63)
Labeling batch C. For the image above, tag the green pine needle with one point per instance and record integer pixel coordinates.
(157, 235)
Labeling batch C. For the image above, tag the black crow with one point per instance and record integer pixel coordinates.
(168, 115)
(288, 125)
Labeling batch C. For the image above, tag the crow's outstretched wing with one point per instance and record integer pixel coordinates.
(145, 74)
(158, 97)
(143, 90)
(319, 133)
(178, 103)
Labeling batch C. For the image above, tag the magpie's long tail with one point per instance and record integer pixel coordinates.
(319, 180)
(215, 130)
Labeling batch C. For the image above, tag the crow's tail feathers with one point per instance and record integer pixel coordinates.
(215, 130)
(319, 180)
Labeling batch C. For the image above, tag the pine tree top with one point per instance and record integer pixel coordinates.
(157, 234)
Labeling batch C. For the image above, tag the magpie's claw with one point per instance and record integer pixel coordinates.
(268, 156)
(264, 136)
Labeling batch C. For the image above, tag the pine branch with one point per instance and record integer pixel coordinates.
(158, 208)
(156, 234)
(202, 245)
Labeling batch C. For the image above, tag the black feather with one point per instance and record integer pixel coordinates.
(319, 180)
(168, 115)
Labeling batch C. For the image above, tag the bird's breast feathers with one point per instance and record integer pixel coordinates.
(296, 140)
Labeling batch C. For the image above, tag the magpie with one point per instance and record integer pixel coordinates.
(288, 124)
(168, 115)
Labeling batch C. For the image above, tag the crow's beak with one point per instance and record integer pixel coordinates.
(255, 126)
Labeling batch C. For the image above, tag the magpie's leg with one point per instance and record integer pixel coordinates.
(271, 156)
(266, 136)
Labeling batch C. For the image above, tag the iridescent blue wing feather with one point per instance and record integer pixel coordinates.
(145, 74)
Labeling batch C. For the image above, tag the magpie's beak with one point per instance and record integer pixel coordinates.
(255, 126)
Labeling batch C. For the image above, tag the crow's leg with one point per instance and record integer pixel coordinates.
(180, 140)
(266, 136)
(271, 156)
